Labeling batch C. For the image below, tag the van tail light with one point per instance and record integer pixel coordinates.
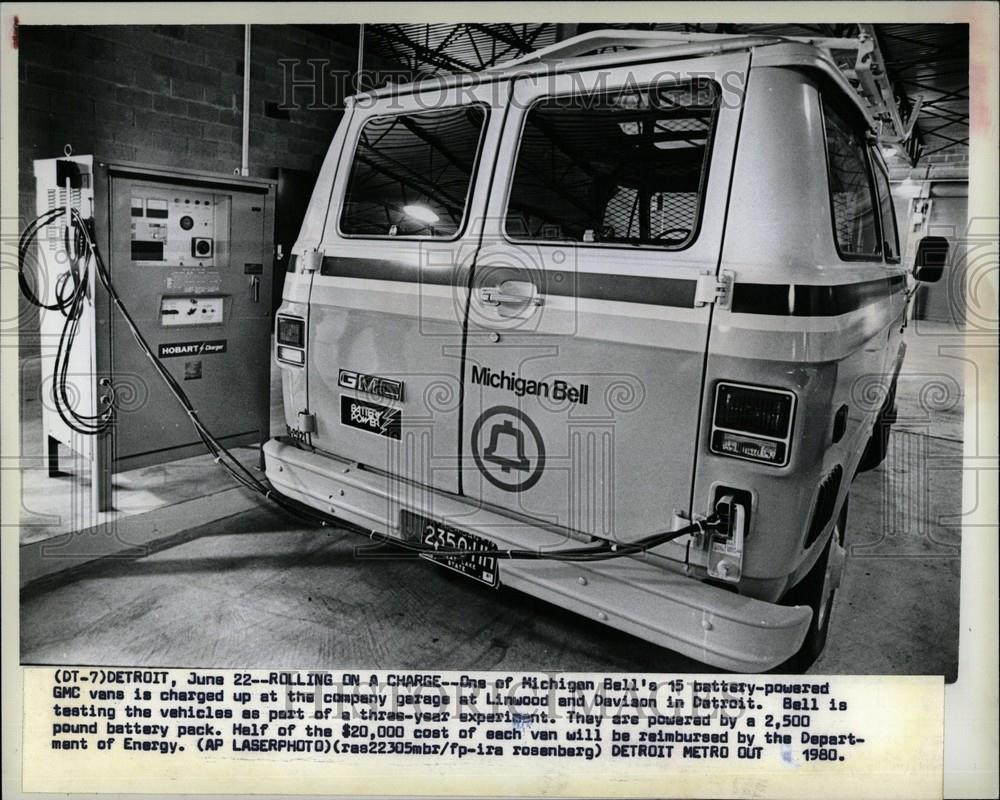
(292, 331)
(290, 340)
(753, 423)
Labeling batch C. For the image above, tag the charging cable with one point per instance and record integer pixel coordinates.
(71, 306)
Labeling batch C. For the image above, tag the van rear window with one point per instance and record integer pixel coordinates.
(620, 167)
(851, 193)
(412, 172)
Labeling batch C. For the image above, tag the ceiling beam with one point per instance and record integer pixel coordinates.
(508, 37)
(430, 139)
(393, 33)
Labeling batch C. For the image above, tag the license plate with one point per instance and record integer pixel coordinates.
(434, 534)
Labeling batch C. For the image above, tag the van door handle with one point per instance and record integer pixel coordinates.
(255, 289)
(495, 296)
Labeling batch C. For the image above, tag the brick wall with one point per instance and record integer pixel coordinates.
(173, 94)
(951, 163)
(956, 154)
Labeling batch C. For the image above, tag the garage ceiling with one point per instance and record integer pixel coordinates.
(932, 61)
(922, 61)
(467, 47)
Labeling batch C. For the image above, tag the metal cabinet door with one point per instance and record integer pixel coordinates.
(218, 352)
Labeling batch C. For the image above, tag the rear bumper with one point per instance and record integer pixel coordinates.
(637, 595)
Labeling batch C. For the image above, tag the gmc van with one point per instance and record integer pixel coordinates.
(583, 298)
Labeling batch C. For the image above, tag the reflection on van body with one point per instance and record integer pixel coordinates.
(608, 305)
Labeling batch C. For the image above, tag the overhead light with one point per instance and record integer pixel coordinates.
(421, 213)
(908, 188)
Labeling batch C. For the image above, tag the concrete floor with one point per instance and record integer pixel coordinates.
(271, 594)
(53, 507)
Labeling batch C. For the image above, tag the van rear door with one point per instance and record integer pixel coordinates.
(387, 306)
(586, 341)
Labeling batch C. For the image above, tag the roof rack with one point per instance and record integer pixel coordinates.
(587, 43)
(867, 74)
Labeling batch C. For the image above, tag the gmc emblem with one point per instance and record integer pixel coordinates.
(371, 384)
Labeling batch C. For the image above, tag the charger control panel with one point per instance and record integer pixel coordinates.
(177, 227)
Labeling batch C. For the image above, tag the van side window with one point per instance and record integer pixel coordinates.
(626, 166)
(890, 234)
(851, 196)
(412, 172)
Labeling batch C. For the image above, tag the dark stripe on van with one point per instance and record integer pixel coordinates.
(599, 286)
(797, 300)
(622, 288)
(774, 299)
(376, 269)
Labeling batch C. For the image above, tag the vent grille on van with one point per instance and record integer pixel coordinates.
(826, 500)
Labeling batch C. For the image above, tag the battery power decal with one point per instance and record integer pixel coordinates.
(370, 417)
(201, 348)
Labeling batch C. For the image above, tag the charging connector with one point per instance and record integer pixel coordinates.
(725, 542)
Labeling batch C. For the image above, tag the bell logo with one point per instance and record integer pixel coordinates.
(505, 432)
(508, 448)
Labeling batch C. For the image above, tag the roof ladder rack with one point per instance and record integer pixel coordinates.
(592, 41)
(872, 83)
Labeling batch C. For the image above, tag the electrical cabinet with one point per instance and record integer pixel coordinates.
(191, 255)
